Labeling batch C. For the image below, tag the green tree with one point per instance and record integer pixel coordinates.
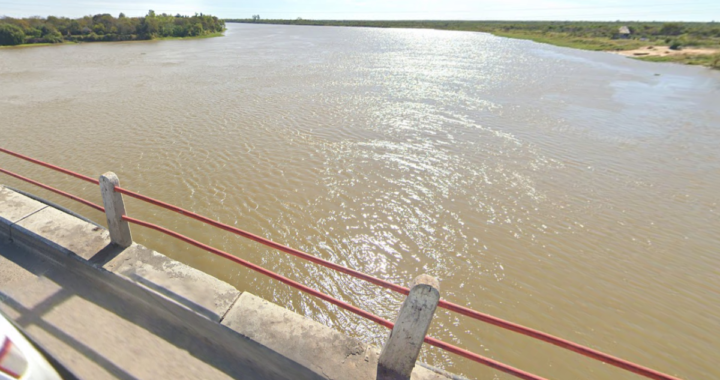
(99, 29)
(195, 30)
(125, 27)
(11, 35)
(150, 27)
(671, 29)
(33, 33)
(74, 27)
(53, 38)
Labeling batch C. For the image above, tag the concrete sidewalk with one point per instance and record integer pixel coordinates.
(99, 335)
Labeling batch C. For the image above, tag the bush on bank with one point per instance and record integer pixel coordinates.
(11, 35)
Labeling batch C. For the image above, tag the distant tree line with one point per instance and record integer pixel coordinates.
(105, 27)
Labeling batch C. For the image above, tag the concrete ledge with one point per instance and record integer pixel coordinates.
(313, 345)
(14, 208)
(194, 289)
(54, 230)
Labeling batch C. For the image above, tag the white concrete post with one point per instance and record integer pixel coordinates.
(114, 210)
(402, 348)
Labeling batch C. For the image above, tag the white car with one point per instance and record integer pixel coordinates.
(19, 359)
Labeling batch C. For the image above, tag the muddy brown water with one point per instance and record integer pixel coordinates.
(574, 192)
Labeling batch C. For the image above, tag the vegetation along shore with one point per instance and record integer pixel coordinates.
(105, 27)
(693, 43)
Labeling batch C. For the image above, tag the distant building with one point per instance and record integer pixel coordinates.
(624, 32)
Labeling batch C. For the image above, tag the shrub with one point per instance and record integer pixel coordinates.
(11, 35)
(715, 61)
(33, 32)
(53, 38)
(688, 41)
(671, 29)
(195, 30)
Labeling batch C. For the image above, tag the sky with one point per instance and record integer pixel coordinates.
(595, 10)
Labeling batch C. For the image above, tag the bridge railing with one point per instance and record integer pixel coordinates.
(402, 348)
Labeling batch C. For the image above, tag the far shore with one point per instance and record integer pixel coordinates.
(696, 43)
(39, 31)
(211, 35)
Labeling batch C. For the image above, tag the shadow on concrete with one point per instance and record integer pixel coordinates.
(110, 251)
(106, 254)
(173, 296)
(34, 316)
(243, 358)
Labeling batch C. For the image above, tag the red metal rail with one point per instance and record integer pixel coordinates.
(586, 351)
(54, 190)
(51, 166)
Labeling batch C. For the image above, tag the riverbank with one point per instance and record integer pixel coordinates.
(40, 44)
(686, 38)
(582, 43)
(692, 56)
(212, 35)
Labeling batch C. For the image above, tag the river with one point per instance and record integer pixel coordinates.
(574, 192)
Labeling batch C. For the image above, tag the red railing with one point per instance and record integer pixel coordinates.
(586, 351)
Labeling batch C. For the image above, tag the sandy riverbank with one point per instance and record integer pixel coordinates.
(664, 51)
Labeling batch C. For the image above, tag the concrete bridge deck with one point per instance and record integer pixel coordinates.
(97, 334)
(110, 313)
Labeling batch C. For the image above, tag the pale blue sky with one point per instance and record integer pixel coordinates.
(645, 10)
